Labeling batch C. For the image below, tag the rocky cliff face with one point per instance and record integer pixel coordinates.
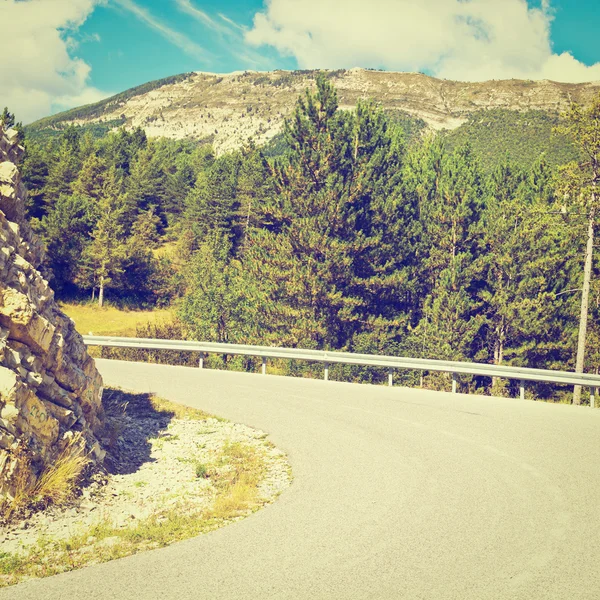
(49, 386)
(228, 109)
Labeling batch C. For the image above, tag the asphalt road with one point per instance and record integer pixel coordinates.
(397, 494)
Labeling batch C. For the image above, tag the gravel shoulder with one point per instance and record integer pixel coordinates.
(162, 459)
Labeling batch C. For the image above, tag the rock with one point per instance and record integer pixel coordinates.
(49, 385)
(205, 106)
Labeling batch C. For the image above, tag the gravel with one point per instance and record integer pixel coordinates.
(151, 466)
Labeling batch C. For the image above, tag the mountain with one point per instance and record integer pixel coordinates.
(226, 110)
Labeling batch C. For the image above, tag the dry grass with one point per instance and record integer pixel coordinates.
(235, 473)
(55, 485)
(10, 509)
(110, 320)
(240, 469)
(179, 411)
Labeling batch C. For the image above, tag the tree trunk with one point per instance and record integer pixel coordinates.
(585, 298)
(498, 352)
(101, 293)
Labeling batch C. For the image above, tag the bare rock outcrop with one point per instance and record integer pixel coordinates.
(49, 386)
(227, 109)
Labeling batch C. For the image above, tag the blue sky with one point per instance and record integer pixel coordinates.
(131, 52)
(78, 51)
(575, 29)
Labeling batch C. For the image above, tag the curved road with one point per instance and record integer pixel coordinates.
(397, 494)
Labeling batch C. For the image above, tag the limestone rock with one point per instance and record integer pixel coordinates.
(227, 109)
(49, 385)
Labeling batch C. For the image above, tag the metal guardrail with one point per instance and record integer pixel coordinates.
(521, 374)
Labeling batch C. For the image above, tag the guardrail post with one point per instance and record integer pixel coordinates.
(326, 372)
(201, 361)
(390, 377)
(454, 383)
(592, 397)
(264, 365)
(522, 390)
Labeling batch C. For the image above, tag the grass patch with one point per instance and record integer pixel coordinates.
(102, 543)
(123, 399)
(235, 473)
(239, 471)
(56, 485)
(200, 470)
(180, 411)
(110, 320)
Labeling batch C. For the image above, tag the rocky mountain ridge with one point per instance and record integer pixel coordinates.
(227, 109)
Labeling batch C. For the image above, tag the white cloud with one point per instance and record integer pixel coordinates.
(37, 66)
(471, 40)
(175, 37)
(186, 7)
(230, 35)
(231, 22)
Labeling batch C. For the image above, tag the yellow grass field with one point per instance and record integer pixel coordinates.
(110, 320)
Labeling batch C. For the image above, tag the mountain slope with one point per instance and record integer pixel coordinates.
(226, 110)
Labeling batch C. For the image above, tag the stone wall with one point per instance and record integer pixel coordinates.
(49, 385)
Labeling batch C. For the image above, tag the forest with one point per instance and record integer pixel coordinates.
(353, 235)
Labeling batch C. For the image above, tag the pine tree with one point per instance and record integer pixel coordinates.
(65, 232)
(145, 185)
(580, 182)
(322, 252)
(139, 265)
(7, 119)
(450, 189)
(35, 173)
(529, 269)
(120, 148)
(255, 186)
(92, 178)
(103, 256)
(220, 305)
(212, 206)
(61, 173)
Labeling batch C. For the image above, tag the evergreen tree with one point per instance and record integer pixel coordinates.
(62, 172)
(212, 207)
(145, 185)
(65, 232)
(451, 192)
(580, 182)
(318, 253)
(120, 148)
(139, 265)
(220, 305)
(93, 178)
(7, 119)
(103, 256)
(34, 172)
(529, 266)
(254, 187)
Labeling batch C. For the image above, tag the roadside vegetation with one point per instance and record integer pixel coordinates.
(231, 489)
(57, 485)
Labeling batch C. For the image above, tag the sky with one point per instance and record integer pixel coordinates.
(57, 54)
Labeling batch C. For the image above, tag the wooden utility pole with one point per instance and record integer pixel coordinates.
(585, 300)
